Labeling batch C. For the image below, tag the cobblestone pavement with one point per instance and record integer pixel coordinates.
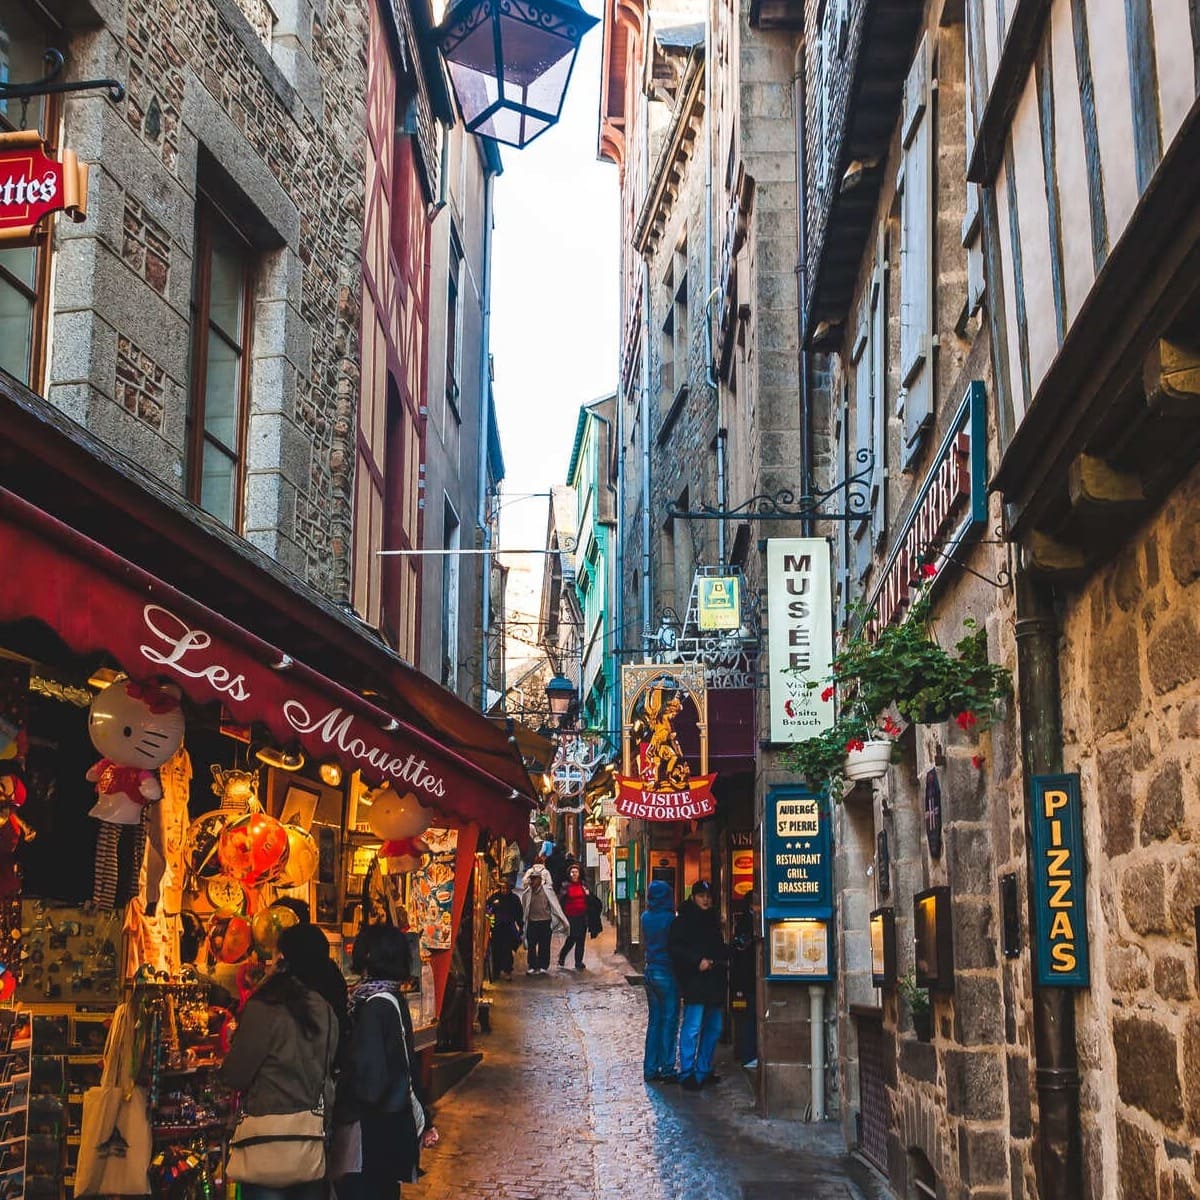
(558, 1110)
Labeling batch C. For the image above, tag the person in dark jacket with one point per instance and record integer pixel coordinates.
(326, 977)
(662, 992)
(378, 1073)
(282, 1055)
(700, 957)
(508, 918)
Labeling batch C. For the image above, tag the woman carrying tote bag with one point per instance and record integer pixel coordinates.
(382, 1122)
(281, 1060)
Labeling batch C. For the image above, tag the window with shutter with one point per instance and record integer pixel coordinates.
(878, 355)
(860, 359)
(916, 254)
(822, 68)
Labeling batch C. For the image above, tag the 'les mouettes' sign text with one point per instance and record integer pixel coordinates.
(33, 185)
(799, 637)
(175, 646)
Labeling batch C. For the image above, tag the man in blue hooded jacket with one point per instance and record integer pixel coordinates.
(662, 992)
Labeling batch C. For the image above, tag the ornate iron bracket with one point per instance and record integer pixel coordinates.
(47, 85)
(786, 506)
(1003, 578)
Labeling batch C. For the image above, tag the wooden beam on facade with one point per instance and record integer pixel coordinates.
(1171, 375)
(1095, 486)
(1046, 555)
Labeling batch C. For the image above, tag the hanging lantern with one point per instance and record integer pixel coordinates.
(510, 62)
(253, 848)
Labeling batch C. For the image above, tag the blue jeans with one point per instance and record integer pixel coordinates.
(698, 1039)
(662, 1025)
(296, 1191)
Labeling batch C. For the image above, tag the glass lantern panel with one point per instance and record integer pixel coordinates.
(529, 52)
(477, 91)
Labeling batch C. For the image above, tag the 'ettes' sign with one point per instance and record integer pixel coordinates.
(33, 185)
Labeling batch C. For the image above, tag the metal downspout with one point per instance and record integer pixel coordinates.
(1059, 1137)
(798, 107)
(644, 399)
(709, 291)
(485, 404)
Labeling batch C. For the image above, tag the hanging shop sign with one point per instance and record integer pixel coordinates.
(798, 886)
(799, 638)
(720, 602)
(34, 184)
(657, 783)
(1059, 913)
(950, 509)
(933, 813)
(591, 832)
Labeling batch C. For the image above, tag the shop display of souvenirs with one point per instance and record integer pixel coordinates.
(433, 891)
(68, 954)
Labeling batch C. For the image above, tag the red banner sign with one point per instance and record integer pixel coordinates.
(592, 832)
(690, 803)
(33, 185)
(603, 845)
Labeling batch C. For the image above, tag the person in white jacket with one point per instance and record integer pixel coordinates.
(543, 914)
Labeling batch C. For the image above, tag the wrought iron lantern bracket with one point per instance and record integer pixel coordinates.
(51, 85)
(785, 505)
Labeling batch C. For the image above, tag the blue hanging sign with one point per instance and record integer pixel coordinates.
(797, 858)
(1060, 916)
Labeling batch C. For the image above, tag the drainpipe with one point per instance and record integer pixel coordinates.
(1060, 1154)
(798, 107)
(485, 404)
(644, 424)
(816, 1023)
(710, 292)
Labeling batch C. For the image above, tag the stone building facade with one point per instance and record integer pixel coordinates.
(248, 311)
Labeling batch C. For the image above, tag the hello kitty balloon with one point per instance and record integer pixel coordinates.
(136, 727)
(393, 816)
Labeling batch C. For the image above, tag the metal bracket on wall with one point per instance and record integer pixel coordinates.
(51, 85)
(785, 505)
(933, 550)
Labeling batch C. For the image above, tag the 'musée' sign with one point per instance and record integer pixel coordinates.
(799, 637)
(33, 184)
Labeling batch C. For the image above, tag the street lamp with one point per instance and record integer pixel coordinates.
(510, 62)
(560, 695)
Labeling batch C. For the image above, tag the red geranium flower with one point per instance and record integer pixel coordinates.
(890, 727)
(827, 694)
(977, 761)
(854, 744)
(929, 570)
(965, 720)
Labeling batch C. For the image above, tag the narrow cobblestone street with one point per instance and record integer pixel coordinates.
(558, 1110)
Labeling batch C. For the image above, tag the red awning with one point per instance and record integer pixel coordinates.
(97, 602)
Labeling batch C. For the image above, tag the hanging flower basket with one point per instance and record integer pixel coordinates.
(870, 761)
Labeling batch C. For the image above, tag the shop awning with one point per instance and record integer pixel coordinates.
(64, 470)
(98, 602)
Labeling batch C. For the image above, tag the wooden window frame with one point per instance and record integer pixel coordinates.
(207, 214)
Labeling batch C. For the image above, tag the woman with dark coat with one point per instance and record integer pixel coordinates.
(282, 1054)
(700, 957)
(378, 1073)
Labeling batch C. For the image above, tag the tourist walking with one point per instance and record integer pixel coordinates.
(662, 992)
(381, 1117)
(700, 957)
(281, 1060)
(542, 914)
(574, 895)
(508, 917)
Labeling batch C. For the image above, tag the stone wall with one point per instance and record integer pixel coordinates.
(270, 122)
(1131, 711)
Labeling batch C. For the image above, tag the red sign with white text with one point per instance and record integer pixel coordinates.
(692, 802)
(33, 185)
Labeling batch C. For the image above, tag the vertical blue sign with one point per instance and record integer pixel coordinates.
(1060, 911)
